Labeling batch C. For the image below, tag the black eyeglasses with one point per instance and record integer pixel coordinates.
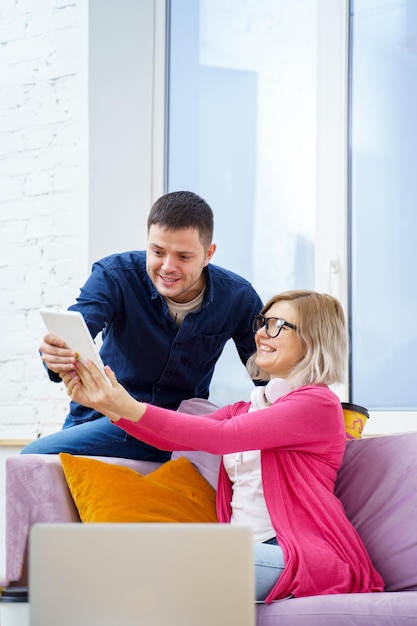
(273, 325)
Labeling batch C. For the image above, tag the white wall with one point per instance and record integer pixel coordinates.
(43, 196)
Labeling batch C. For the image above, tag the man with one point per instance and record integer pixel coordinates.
(165, 316)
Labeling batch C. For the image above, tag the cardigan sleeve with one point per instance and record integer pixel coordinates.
(304, 419)
(173, 438)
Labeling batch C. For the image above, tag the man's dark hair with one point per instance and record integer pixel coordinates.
(183, 209)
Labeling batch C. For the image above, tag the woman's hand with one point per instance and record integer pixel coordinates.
(86, 385)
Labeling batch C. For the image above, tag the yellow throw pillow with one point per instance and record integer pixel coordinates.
(175, 492)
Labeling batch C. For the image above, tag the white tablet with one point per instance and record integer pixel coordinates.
(71, 327)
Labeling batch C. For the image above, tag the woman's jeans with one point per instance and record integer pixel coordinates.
(269, 565)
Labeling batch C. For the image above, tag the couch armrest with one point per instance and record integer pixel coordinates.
(36, 491)
(377, 486)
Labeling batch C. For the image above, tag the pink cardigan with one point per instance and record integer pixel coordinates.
(302, 440)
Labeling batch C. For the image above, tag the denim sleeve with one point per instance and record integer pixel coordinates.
(98, 298)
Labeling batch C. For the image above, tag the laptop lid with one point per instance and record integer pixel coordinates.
(141, 575)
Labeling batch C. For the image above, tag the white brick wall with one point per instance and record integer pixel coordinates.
(43, 196)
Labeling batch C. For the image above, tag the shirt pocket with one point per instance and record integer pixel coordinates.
(206, 349)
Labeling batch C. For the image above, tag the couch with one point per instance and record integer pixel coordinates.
(377, 484)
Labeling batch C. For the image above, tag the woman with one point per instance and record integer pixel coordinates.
(281, 454)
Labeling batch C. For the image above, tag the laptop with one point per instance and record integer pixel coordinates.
(109, 574)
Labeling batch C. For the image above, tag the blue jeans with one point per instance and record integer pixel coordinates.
(269, 565)
(96, 438)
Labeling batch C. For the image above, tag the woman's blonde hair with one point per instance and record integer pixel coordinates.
(321, 326)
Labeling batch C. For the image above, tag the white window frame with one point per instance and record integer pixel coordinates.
(331, 249)
(127, 69)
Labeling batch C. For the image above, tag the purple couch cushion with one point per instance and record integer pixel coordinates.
(207, 464)
(377, 484)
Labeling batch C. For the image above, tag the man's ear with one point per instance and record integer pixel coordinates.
(210, 251)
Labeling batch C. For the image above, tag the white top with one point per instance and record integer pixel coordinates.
(248, 500)
(244, 470)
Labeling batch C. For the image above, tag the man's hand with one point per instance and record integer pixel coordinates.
(56, 355)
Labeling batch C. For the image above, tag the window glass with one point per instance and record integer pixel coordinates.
(242, 134)
(383, 135)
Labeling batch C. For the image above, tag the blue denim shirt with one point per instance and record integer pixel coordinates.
(157, 361)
